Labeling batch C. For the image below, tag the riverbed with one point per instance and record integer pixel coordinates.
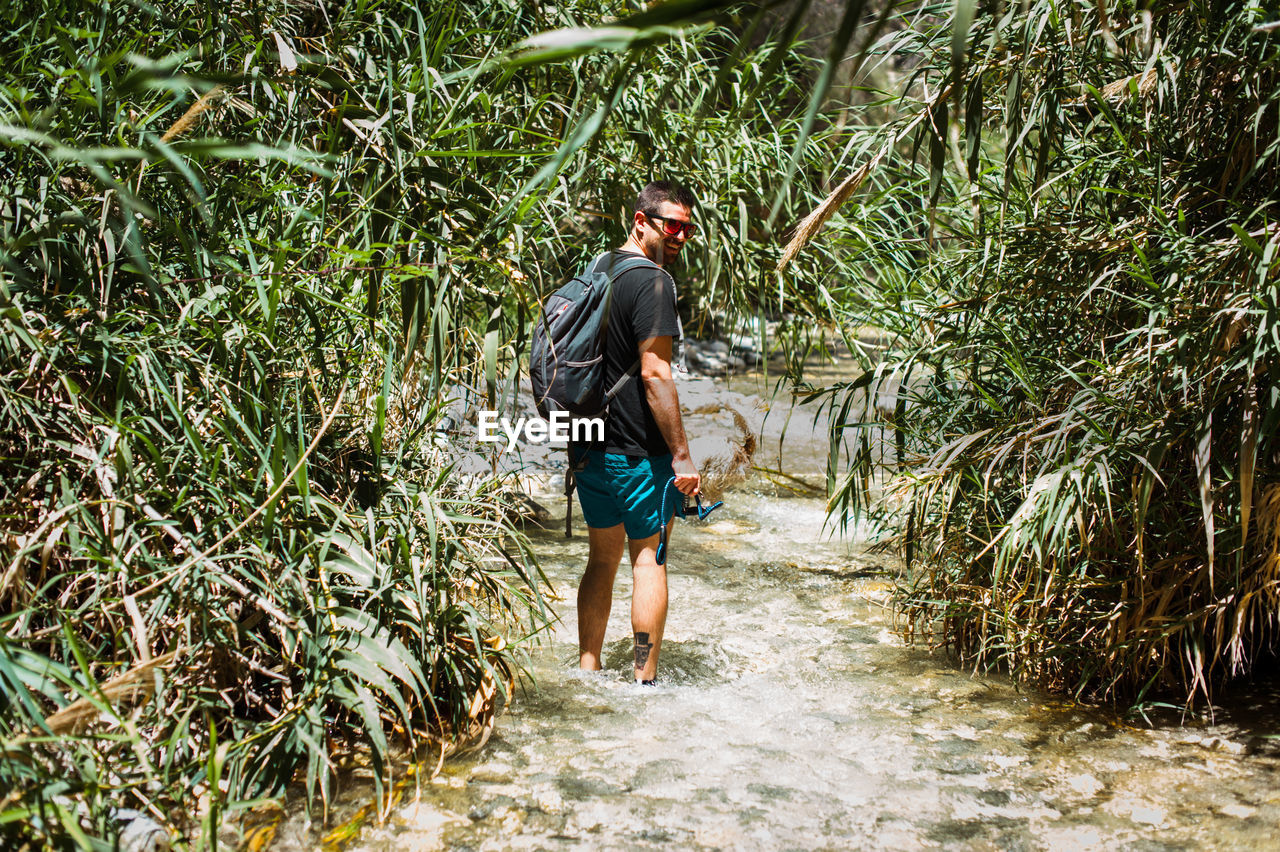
(790, 715)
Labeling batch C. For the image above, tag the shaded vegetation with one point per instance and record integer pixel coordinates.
(1087, 475)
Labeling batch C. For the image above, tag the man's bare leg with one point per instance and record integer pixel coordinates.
(595, 592)
(648, 605)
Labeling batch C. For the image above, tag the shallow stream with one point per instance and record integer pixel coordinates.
(790, 716)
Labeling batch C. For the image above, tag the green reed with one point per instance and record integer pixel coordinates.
(1071, 240)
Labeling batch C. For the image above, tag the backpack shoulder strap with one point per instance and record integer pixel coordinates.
(630, 262)
(594, 265)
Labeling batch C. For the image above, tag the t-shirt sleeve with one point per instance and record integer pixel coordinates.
(653, 305)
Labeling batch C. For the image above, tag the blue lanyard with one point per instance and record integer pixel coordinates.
(703, 511)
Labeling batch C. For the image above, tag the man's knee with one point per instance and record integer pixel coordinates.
(644, 552)
(598, 565)
(605, 542)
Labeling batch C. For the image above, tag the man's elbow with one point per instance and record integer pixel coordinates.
(655, 374)
(654, 370)
(655, 360)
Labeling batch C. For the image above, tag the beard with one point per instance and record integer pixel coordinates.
(660, 251)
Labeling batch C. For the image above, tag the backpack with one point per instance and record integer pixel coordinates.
(566, 360)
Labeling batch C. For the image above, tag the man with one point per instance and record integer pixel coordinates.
(621, 486)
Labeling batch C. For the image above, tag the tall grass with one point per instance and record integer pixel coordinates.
(250, 254)
(235, 548)
(1071, 239)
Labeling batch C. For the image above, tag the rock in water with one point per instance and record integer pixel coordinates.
(141, 833)
(529, 510)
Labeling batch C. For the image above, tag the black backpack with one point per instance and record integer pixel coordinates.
(566, 362)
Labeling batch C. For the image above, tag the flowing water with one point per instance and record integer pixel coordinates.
(790, 716)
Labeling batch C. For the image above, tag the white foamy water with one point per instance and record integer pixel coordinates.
(789, 716)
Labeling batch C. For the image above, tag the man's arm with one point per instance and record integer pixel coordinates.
(660, 391)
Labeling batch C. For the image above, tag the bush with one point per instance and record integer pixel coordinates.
(1085, 470)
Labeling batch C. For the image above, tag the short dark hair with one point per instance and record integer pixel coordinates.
(652, 196)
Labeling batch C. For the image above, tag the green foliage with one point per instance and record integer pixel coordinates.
(251, 255)
(1084, 466)
(237, 545)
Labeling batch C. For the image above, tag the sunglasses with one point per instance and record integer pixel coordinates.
(675, 227)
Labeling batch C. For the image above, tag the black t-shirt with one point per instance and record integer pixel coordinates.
(643, 306)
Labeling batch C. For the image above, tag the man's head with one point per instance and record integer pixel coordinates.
(662, 220)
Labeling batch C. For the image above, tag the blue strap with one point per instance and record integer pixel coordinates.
(662, 516)
(702, 516)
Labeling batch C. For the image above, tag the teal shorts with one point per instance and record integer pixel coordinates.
(616, 489)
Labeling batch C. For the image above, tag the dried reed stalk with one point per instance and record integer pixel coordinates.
(1268, 525)
(192, 115)
(124, 690)
(1146, 85)
(815, 220)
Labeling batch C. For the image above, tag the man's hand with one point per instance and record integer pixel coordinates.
(687, 479)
